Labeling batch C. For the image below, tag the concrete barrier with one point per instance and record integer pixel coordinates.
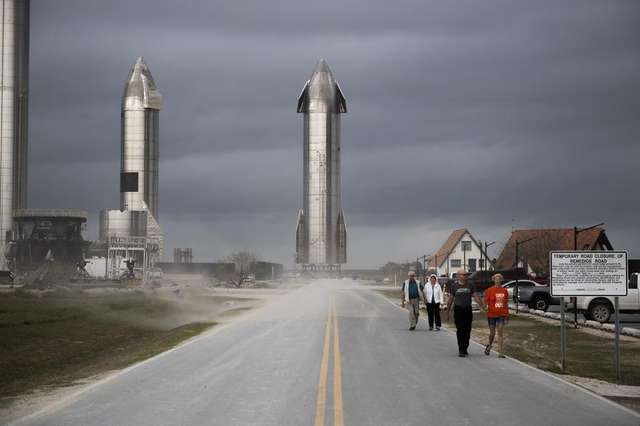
(630, 331)
(593, 324)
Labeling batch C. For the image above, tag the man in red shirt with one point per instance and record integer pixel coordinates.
(496, 300)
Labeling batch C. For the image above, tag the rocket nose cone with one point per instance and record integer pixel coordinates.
(321, 66)
(322, 72)
(139, 69)
(141, 91)
(322, 92)
(322, 83)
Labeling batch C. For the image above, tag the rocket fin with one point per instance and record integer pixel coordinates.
(154, 231)
(341, 100)
(302, 98)
(301, 239)
(342, 239)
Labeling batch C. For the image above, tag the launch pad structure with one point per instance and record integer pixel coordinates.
(330, 269)
(121, 248)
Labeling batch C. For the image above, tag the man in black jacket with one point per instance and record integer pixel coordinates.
(460, 294)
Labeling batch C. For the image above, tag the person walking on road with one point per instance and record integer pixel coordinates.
(434, 298)
(412, 293)
(496, 299)
(460, 294)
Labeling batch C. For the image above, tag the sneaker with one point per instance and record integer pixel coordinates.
(461, 355)
(430, 328)
(487, 350)
(412, 328)
(437, 328)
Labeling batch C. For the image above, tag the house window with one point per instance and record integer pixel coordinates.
(471, 265)
(481, 263)
(466, 246)
(456, 263)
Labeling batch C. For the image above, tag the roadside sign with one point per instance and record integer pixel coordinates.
(588, 273)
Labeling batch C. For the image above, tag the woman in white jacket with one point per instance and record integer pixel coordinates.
(433, 298)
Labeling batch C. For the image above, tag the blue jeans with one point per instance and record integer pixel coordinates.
(496, 321)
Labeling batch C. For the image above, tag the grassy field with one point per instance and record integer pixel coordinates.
(538, 343)
(58, 339)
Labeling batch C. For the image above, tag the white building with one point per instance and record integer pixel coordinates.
(461, 250)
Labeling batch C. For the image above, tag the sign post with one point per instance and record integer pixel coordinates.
(588, 273)
(563, 338)
(617, 343)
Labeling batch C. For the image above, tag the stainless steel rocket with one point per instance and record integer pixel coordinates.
(139, 158)
(14, 94)
(141, 104)
(321, 235)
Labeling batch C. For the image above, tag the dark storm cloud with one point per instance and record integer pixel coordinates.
(480, 114)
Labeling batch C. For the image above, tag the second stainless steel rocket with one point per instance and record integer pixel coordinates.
(321, 236)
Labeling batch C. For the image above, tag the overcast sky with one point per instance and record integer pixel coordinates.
(487, 115)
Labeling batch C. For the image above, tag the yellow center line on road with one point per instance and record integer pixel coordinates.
(337, 374)
(321, 401)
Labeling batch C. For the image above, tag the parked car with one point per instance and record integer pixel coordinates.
(510, 286)
(482, 279)
(537, 297)
(599, 308)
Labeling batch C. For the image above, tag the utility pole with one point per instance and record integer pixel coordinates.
(464, 257)
(574, 300)
(424, 267)
(486, 253)
(517, 291)
(435, 261)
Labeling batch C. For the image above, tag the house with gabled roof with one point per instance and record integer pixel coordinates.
(534, 254)
(460, 250)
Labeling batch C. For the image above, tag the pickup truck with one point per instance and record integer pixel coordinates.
(537, 297)
(599, 308)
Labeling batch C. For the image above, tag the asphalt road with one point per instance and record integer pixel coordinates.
(284, 364)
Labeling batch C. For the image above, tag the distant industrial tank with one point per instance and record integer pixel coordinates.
(14, 95)
(321, 235)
